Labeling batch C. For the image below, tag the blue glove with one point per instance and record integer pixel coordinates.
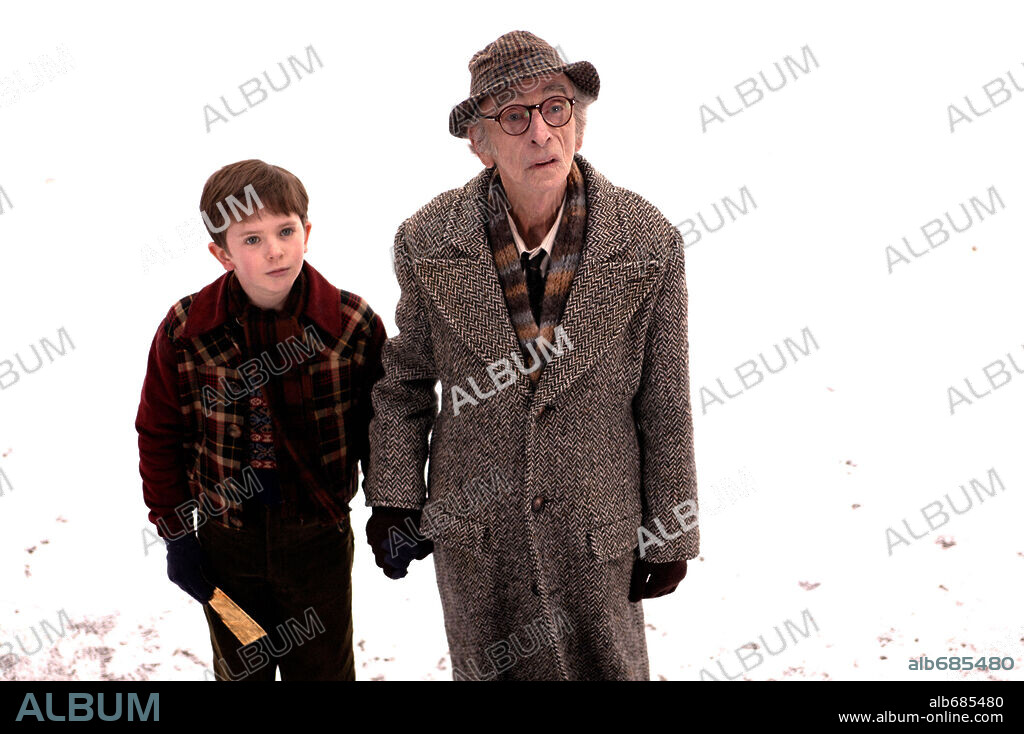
(184, 567)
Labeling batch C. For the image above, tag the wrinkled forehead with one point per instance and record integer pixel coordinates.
(529, 91)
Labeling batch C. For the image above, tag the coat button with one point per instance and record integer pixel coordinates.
(234, 430)
(538, 503)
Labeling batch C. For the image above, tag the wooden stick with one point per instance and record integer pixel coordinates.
(241, 624)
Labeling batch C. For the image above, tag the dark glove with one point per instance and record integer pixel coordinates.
(184, 567)
(665, 577)
(394, 536)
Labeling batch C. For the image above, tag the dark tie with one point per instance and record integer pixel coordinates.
(534, 280)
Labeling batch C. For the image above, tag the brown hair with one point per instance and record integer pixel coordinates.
(276, 190)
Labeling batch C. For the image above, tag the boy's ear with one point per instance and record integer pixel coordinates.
(222, 256)
(309, 226)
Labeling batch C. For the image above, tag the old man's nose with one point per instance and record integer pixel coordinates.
(540, 131)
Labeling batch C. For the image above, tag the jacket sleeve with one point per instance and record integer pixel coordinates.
(404, 402)
(373, 370)
(665, 422)
(162, 435)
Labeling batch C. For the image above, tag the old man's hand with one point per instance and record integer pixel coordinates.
(664, 578)
(394, 537)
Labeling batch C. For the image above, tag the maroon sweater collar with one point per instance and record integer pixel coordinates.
(209, 308)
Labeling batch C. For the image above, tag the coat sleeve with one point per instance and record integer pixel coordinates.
(404, 402)
(162, 435)
(665, 422)
(372, 372)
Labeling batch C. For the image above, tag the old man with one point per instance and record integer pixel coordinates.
(551, 305)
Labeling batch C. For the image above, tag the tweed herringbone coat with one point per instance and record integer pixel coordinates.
(534, 496)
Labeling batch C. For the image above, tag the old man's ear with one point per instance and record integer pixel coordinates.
(478, 150)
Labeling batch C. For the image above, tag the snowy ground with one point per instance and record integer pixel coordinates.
(852, 611)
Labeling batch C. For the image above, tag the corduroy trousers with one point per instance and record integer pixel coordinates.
(295, 580)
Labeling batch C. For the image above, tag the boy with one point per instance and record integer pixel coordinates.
(254, 412)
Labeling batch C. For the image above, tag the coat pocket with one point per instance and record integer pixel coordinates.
(448, 528)
(333, 403)
(614, 539)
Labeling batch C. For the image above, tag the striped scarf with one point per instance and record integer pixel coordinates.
(565, 258)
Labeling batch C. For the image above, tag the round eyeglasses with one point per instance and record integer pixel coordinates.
(515, 119)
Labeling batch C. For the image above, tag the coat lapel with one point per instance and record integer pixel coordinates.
(463, 282)
(610, 283)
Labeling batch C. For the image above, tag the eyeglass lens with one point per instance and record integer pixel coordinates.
(556, 111)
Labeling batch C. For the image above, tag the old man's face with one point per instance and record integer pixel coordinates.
(540, 158)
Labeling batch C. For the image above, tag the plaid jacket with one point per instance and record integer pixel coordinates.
(193, 412)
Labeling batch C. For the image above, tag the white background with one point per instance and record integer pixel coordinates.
(103, 160)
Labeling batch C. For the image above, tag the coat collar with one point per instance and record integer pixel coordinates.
(209, 308)
(466, 228)
(612, 279)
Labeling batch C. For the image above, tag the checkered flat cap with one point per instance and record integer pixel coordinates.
(510, 59)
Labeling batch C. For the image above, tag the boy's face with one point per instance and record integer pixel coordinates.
(266, 252)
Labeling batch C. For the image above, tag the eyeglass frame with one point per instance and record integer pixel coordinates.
(529, 111)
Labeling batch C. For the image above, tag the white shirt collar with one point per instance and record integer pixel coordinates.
(547, 243)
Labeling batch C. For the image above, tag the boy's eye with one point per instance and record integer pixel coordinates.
(287, 231)
(251, 240)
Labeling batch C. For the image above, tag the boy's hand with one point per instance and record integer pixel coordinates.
(394, 537)
(184, 567)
